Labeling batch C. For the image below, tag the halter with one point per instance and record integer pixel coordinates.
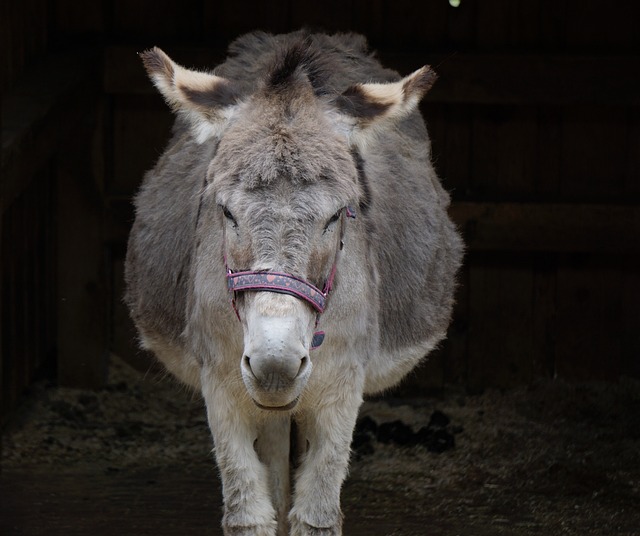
(284, 283)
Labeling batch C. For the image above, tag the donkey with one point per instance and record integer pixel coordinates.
(291, 252)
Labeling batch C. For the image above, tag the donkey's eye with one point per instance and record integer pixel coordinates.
(333, 219)
(227, 214)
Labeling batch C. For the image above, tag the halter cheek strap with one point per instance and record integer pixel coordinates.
(284, 283)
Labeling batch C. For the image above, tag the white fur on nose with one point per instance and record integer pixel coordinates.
(276, 364)
(275, 356)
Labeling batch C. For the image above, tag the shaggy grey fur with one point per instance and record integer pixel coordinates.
(281, 169)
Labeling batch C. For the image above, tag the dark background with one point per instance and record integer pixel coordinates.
(535, 129)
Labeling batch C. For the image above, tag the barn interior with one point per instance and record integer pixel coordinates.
(524, 421)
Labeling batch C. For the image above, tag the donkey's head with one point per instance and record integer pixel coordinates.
(284, 172)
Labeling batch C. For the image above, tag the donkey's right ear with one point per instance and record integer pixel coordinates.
(372, 107)
(208, 101)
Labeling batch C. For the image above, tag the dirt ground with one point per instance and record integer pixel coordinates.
(135, 458)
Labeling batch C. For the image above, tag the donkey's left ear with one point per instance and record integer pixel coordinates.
(372, 106)
(208, 101)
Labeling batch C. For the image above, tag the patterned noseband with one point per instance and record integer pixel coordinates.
(278, 282)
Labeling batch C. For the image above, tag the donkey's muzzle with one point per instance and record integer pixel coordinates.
(275, 382)
(272, 374)
(276, 363)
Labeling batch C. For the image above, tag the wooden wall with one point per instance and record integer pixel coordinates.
(52, 269)
(25, 242)
(534, 122)
(536, 132)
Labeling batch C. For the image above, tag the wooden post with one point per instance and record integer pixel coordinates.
(82, 287)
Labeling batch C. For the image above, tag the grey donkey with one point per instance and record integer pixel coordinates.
(291, 253)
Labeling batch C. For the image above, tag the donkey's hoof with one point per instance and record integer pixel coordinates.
(255, 530)
(300, 528)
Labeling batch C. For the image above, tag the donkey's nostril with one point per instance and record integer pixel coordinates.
(304, 363)
(246, 363)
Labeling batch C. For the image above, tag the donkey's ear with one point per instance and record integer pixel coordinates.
(207, 100)
(372, 106)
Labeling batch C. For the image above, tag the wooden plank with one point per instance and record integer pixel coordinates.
(20, 342)
(631, 183)
(630, 318)
(50, 265)
(594, 145)
(548, 227)
(590, 319)
(544, 314)
(29, 218)
(504, 145)
(500, 350)
(512, 79)
(9, 297)
(548, 160)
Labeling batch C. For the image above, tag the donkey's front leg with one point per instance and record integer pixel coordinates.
(248, 510)
(272, 447)
(326, 431)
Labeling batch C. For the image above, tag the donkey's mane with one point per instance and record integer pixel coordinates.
(332, 63)
(302, 56)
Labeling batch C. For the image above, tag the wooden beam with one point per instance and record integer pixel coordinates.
(463, 78)
(531, 79)
(548, 227)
